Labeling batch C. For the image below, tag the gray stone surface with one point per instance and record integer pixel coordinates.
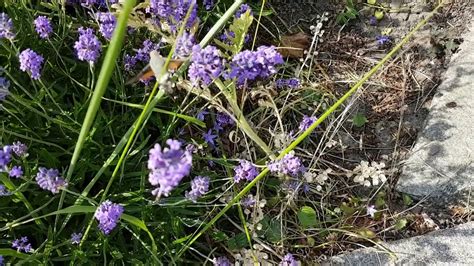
(441, 163)
(453, 246)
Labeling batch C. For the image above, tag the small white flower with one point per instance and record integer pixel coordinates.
(371, 211)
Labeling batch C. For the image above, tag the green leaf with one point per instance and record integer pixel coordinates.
(240, 28)
(307, 217)
(237, 242)
(140, 224)
(378, 14)
(271, 229)
(365, 233)
(402, 223)
(371, 2)
(407, 200)
(359, 120)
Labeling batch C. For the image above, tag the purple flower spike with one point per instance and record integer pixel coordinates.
(289, 260)
(168, 167)
(143, 54)
(87, 47)
(49, 179)
(250, 65)
(249, 201)
(4, 86)
(288, 165)
(184, 45)
(173, 12)
(5, 157)
(16, 172)
(19, 149)
(108, 214)
(222, 261)
(199, 187)
(383, 40)
(22, 244)
(6, 27)
(243, 8)
(76, 238)
(245, 171)
(206, 65)
(307, 122)
(208, 4)
(129, 62)
(31, 62)
(43, 27)
(107, 24)
(4, 191)
(223, 120)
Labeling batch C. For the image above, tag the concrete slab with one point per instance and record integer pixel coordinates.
(442, 161)
(445, 247)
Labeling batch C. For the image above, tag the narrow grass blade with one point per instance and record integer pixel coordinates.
(103, 80)
(306, 133)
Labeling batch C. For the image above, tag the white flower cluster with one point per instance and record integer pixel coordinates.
(246, 257)
(256, 216)
(371, 174)
(319, 178)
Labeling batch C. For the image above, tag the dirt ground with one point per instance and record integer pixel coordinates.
(395, 100)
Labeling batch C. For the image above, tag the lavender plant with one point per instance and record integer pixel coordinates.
(178, 146)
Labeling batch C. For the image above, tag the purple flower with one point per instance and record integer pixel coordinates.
(208, 4)
(206, 65)
(22, 244)
(5, 157)
(107, 24)
(199, 187)
(184, 45)
(288, 165)
(88, 3)
(248, 202)
(31, 62)
(6, 27)
(76, 238)
(222, 261)
(129, 62)
(87, 47)
(290, 83)
(383, 40)
(209, 137)
(222, 120)
(4, 85)
(250, 65)
(168, 166)
(289, 260)
(228, 36)
(373, 21)
(307, 122)
(243, 8)
(202, 115)
(19, 149)
(43, 26)
(245, 171)
(4, 191)
(108, 214)
(16, 172)
(1, 260)
(143, 54)
(49, 179)
(173, 12)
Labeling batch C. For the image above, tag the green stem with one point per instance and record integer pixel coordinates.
(243, 123)
(307, 132)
